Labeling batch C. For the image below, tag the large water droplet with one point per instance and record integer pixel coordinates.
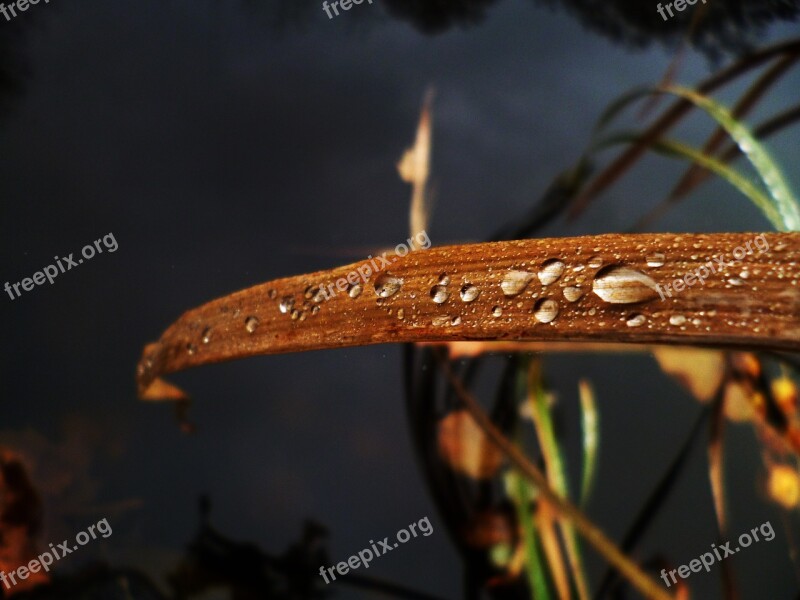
(636, 320)
(545, 310)
(469, 292)
(250, 324)
(551, 270)
(621, 285)
(387, 285)
(595, 262)
(287, 302)
(439, 294)
(677, 320)
(656, 259)
(515, 282)
(573, 293)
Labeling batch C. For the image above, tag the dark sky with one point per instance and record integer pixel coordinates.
(221, 152)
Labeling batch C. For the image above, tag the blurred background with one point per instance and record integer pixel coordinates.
(228, 143)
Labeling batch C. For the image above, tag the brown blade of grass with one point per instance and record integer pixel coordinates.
(620, 301)
(593, 534)
(670, 117)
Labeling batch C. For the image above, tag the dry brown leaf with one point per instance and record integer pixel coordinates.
(699, 371)
(465, 448)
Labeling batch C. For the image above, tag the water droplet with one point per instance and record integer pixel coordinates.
(621, 285)
(455, 321)
(401, 313)
(780, 247)
(551, 270)
(310, 291)
(355, 291)
(321, 295)
(497, 311)
(515, 282)
(272, 294)
(440, 321)
(387, 285)
(595, 262)
(205, 337)
(677, 320)
(439, 294)
(287, 302)
(735, 281)
(295, 315)
(315, 310)
(250, 324)
(469, 292)
(444, 279)
(573, 293)
(191, 348)
(744, 274)
(545, 310)
(636, 320)
(656, 259)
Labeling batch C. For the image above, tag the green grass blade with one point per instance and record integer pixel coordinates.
(786, 203)
(590, 429)
(522, 492)
(675, 149)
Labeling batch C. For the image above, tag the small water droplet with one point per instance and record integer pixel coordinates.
(401, 313)
(387, 285)
(595, 262)
(302, 316)
(315, 310)
(677, 320)
(744, 274)
(780, 247)
(636, 320)
(551, 270)
(250, 324)
(295, 315)
(321, 295)
(286, 305)
(273, 294)
(444, 279)
(573, 293)
(439, 294)
(545, 310)
(515, 282)
(191, 348)
(310, 291)
(735, 281)
(205, 337)
(497, 311)
(621, 285)
(355, 291)
(469, 292)
(455, 321)
(656, 259)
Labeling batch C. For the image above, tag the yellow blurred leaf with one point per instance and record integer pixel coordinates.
(783, 486)
(699, 371)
